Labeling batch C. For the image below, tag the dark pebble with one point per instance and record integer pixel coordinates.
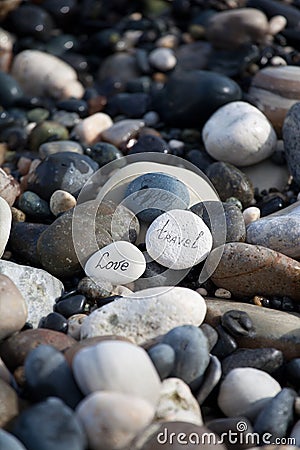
(72, 305)
(32, 20)
(200, 159)
(211, 378)
(191, 353)
(74, 105)
(149, 143)
(68, 171)
(23, 241)
(103, 153)
(46, 131)
(163, 358)
(226, 344)
(237, 323)
(32, 205)
(271, 204)
(54, 321)
(131, 105)
(238, 440)
(15, 138)
(9, 442)
(106, 300)
(48, 374)
(292, 371)
(10, 90)
(266, 359)
(211, 335)
(278, 414)
(49, 425)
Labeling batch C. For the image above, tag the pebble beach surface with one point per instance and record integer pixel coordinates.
(149, 224)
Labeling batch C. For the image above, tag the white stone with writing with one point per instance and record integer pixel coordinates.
(178, 239)
(119, 262)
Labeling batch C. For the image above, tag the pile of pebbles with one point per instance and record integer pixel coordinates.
(149, 224)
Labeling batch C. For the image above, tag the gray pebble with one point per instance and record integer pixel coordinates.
(163, 358)
(266, 359)
(212, 377)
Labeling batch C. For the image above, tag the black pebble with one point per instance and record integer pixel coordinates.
(266, 359)
(237, 323)
(54, 321)
(72, 305)
(102, 301)
(149, 143)
(226, 344)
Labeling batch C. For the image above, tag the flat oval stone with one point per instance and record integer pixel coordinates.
(266, 359)
(154, 193)
(238, 133)
(276, 90)
(246, 269)
(119, 262)
(61, 201)
(112, 419)
(121, 132)
(107, 366)
(146, 314)
(162, 59)
(178, 239)
(89, 130)
(10, 442)
(49, 148)
(33, 205)
(245, 388)
(13, 308)
(42, 74)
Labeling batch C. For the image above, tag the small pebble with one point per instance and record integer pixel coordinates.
(251, 214)
(162, 59)
(237, 323)
(222, 293)
(54, 321)
(266, 359)
(89, 130)
(61, 201)
(211, 378)
(74, 324)
(163, 357)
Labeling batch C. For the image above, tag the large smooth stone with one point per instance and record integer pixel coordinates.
(266, 359)
(238, 133)
(9, 403)
(146, 314)
(178, 239)
(5, 224)
(119, 262)
(246, 270)
(38, 287)
(73, 237)
(276, 329)
(13, 308)
(180, 102)
(49, 425)
(23, 241)
(117, 366)
(291, 136)
(246, 389)
(42, 74)
(15, 349)
(112, 419)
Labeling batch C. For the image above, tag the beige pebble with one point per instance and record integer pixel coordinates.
(121, 132)
(61, 201)
(9, 403)
(24, 165)
(9, 187)
(88, 131)
(5, 225)
(14, 316)
(17, 215)
(251, 214)
(277, 24)
(74, 325)
(222, 293)
(162, 59)
(202, 291)
(5, 373)
(6, 49)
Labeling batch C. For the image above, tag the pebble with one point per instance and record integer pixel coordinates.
(10, 90)
(149, 143)
(246, 269)
(89, 130)
(178, 239)
(251, 214)
(275, 329)
(54, 321)
(49, 425)
(107, 366)
(23, 241)
(246, 137)
(229, 181)
(103, 153)
(74, 324)
(112, 419)
(13, 308)
(9, 403)
(163, 357)
(237, 323)
(191, 353)
(69, 305)
(292, 371)
(45, 131)
(62, 255)
(67, 171)
(152, 194)
(211, 335)
(179, 103)
(139, 315)
(61, 201)
(212, 377)
(39, 288)
(277, 416)
(238, 27)
(49, 148)
(32, 205)
(119, 262)
(5, 224)
(15, 349)
(9, 188)
(10, 442)
(266, 359)
(177, 403)
(162, 59)
(291, 134)
(121, 132)
(225, 345)
(222, 293)
(48, 374)
(276, 89)
(42, 74)
(246, 389)
(225, 427)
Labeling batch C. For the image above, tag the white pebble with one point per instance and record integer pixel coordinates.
(178, 239)
(222, 293)
(5, 224)
(244, 389)
(61, 201)
(240, 134)
(251, 214)
(88, 131)
(74, 325)
(111, 420)
(202, 291)
(119, 262)
(162, 59)
(277, 24)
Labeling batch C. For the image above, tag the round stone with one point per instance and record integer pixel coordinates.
(152, 194)
(238, 133)
(32, 205)
(45, 131)
(251, 214)
(162, 59)
(103, 153)
(88, 131)
(119, 262)
(61, 201)
(13, 308)
(163, 358)
(178, 239)
(244, 389)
